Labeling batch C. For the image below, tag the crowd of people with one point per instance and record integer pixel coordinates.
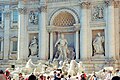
(58, 75)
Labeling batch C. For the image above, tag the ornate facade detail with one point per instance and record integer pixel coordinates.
(110, 3)
(86, 5)
(7, 14)
(98, 12)
(114, 3)
(63, 29)
(43, 9)
(22, 10)
(64, 19)
(117, 4)
(33, 17)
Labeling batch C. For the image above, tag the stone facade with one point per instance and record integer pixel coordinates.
(78, 20)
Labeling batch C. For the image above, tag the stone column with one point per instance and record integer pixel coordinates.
(22, 34)
(42, 32)
(51, 45)
(117, 29)
(6, 32)
(111, 29)
(83, 30)
(77, 45)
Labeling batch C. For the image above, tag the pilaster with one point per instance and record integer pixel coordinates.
(83, 30)
(42, 32)
(6, 32)
(110, 21)
(22, 47)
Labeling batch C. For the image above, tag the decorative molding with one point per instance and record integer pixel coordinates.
(97, 24)
(97, 12)
(22, 10)
(112, 3)
(43, 9)
(85, 5)
(63, 29)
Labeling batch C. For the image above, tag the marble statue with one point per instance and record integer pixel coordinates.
(33, 18)
(33, 47)
(98, 44)
(62, 47)
(73, 69)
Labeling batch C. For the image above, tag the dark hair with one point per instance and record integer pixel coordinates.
(116, 78)
(69, 76)
(62, 76)
(1, 72)
(48, 77)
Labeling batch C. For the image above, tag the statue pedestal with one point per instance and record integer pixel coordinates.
(34, 58)
(98, 57)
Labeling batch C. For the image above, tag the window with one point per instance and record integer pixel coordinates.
(14, 46)
(0, 17)
(15, 16)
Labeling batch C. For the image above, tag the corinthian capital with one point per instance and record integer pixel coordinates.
(85, 5)
(43, 9)
(117, 4)
(7, 14)
(22, 10)
(109, 2)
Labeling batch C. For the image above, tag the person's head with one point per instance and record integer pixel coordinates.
(69, 76)
(62, 76)
(62, 36)
(103, 70)
(48, 77)
(1, 72)
(116, 78)
(98, 34)
(20, 74)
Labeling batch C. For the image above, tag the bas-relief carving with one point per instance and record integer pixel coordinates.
(22, 10)
(33, 47)
(98, 12)
(33, 17)
(98, 48)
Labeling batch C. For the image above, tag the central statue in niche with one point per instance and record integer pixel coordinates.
(62, 47)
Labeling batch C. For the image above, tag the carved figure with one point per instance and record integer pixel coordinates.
(33, 47)
(98, 44)
(33, 18)
(98, 13)
(62, 47)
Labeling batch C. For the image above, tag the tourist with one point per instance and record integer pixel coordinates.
(32, 77)
(83, 76)
(109, 75)
(21, 77)
(62, 77)
(2, 76)
(48, 78)
(55, 75)
(69, 77)
(7, 73)
(116, 78)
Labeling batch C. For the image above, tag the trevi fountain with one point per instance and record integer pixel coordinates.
(72, 35)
